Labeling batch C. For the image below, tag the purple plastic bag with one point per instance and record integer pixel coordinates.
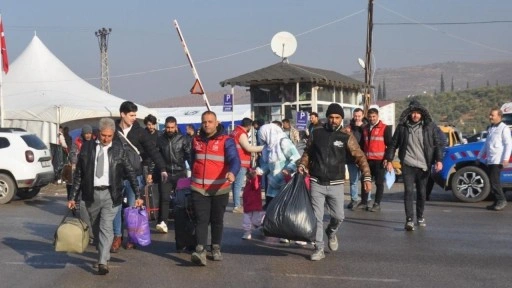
(136, 221)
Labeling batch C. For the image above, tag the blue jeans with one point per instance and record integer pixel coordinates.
(236, 187)
(130, 198)
(354, 174)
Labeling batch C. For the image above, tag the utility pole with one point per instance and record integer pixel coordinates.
(368, 59)
(102, 35)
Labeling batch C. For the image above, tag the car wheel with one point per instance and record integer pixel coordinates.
(27, 193)
(470, 184)
(7, 189)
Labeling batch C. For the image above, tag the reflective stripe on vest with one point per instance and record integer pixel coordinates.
(245, 157)
(210, 167)
(374, 145)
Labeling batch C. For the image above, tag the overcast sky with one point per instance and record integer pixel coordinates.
(231, 37)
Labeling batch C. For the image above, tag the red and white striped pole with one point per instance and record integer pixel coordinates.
(198, 83)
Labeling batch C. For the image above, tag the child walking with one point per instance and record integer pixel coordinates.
(253, 209)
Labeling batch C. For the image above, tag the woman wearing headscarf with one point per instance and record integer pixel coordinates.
(278, 158)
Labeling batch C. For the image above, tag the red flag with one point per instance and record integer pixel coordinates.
(3, 48)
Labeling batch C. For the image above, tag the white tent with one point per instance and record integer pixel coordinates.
(40, 93)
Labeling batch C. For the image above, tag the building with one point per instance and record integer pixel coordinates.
(281, 90)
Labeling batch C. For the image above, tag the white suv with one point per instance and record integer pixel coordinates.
(25, 164)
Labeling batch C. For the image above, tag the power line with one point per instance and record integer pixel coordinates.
(443, 23)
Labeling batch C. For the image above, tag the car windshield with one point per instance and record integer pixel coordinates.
(507, 119)
(34, 142)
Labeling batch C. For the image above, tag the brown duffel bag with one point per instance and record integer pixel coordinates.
(72, 235)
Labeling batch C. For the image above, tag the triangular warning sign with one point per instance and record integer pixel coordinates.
(197, 89)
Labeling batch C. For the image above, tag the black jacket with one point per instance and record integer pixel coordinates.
(175, 150)
(119, 169)
(433, 145)
(141, 139)
(325, 155)
(357, 131)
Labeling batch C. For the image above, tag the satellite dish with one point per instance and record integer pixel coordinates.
(283, 44)
(361, 63)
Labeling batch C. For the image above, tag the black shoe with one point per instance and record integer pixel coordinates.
(491, 207)
(352, 204)
(375, 208)
(361, 206)
(500, 205)
(103, 269)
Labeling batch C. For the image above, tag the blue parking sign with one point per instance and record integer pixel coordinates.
(228, 103)
(302, 120)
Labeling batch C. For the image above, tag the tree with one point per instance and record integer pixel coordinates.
(467, 85)
(497, 83)
(384, 96)
(488, 83)
(379, 93)
(452, 88)
(442, 84)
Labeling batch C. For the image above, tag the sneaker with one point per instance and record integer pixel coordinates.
(500, 205)
(361, 206)
(283, 240)
(409, 225)
(421, 222)
(318, 254)
(375, 208)
(301, 243)
(238, 210)
(352, 204)
(247, 236)
(333, 241)
(216, 255)
(199, 256)
(162, 227)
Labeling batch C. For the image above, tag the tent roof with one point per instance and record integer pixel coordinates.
(38, 85)
(292, 73)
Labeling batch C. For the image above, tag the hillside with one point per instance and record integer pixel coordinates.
(468, 110)
(426, 79)
(400, 82)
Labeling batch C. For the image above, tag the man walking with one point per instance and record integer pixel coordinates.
(244, 148)
(495, 154)
(175, 149)
(138, 144)
(419, 147)
(356, 128)
(376, 136)
(325, 157)
(99, 174)
(215, 164)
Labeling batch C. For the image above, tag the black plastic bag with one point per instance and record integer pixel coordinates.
(290, 214)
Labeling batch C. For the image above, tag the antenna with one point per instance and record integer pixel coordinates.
(283, 44)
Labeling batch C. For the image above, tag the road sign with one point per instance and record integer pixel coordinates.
(228, 103)
(302, 120)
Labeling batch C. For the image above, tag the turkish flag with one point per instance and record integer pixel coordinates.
(3, 48)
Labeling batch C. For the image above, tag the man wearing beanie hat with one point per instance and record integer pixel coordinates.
(324, 159)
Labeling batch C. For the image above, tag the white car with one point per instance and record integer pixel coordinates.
(25, 164)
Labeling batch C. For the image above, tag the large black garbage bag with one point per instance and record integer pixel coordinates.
(290, 214)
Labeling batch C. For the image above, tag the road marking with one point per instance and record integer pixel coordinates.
(335, 277)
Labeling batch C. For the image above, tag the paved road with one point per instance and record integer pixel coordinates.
(463, 245)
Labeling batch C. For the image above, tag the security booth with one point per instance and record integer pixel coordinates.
(281, 90)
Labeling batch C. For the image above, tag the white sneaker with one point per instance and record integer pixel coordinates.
(162, 227)
(283, 240)
(301, 243)
(247, 236)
